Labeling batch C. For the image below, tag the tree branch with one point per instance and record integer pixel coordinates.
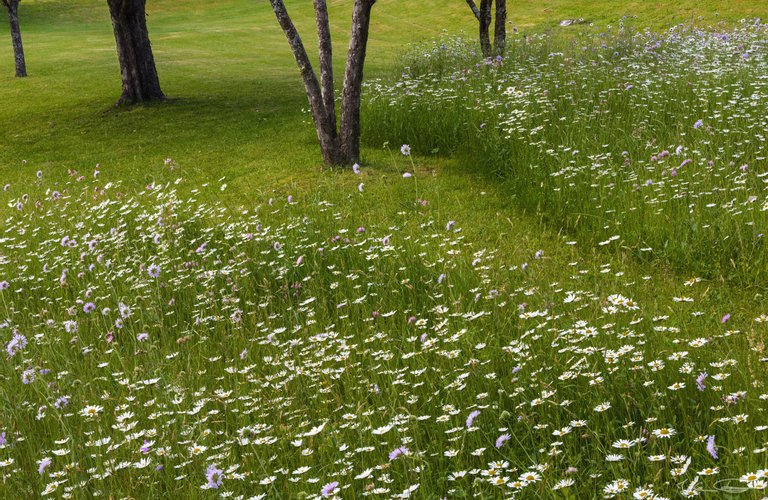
(474, 8)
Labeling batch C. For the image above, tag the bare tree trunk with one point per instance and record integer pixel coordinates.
(326, 129)
(338, 148)
(353, 79)
(134, 52)
(500, 28)
(18, 47)
(485, 25)
(325, 52)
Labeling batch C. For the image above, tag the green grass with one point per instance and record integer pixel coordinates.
(241, 145)
(660, 149)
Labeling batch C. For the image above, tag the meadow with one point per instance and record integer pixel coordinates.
(545, 280)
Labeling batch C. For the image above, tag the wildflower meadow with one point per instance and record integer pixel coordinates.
(545, 278)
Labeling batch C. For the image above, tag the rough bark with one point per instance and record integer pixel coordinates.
(134, 52)
(337, 147)
(353, 79)
(18, 48)
(325, 51)
(500, 28)
(485, 25)
(326, 134)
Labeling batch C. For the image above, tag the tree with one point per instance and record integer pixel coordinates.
(483, 16)
(339, 146)
(137, 64)
(18, 49)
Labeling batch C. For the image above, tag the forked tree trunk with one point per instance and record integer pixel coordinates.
(327, 135)
(485, 25)
(353, 80)
(18, 47)
(500, 28)
(337, 147)
(483, 16)
(134, 52)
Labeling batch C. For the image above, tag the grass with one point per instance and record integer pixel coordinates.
(243, 335)
(649, 141)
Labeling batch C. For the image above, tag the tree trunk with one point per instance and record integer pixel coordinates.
(326, 128)
(485, 25)
(500, 28)
(134, 51)
(353, 80)
(325, 52)
(18, 48)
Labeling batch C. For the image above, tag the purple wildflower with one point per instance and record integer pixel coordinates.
(711, 448)
(142, 337)
(407, 175)
(43, 464)
(4, 285)
(328, 488)
(153, 271)
(145, 447)
(698, 124)
(502, 439)
(700, 381)
(398, 452)
(725, 318)
(471, 418)
(440, 278)
(356, 168)
(3, 441)
(16, 344)
(405, 149)
(61, 402)
(89, 307)
(214, 476)
(450, 225)
(28, 376)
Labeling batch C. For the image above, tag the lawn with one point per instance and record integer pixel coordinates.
(192, 305)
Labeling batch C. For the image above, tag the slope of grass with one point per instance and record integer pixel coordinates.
(186, 321)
